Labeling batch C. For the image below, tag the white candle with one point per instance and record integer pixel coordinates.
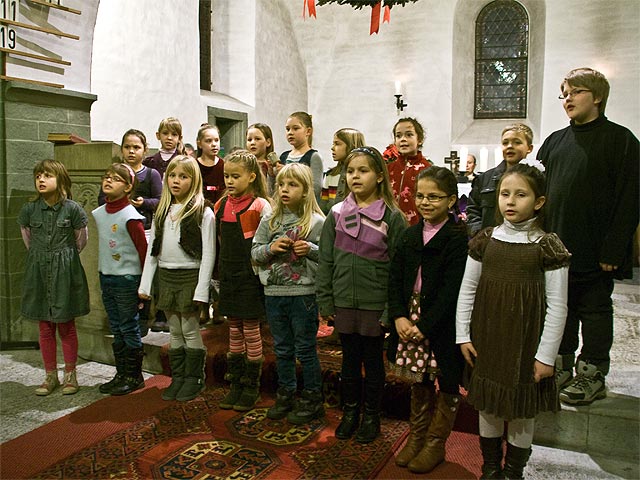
(464, 151)
(497, 155)
(484, 157)
(398, 87)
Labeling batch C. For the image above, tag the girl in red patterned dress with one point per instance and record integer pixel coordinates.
(403, 171)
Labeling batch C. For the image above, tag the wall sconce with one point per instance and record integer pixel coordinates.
(400, 104)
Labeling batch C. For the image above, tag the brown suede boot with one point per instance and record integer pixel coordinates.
(422, 403)
(432, 454)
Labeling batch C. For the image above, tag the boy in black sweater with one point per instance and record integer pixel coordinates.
(592, 204)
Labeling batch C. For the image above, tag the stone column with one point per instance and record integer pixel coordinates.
(28, 113)
(86, 163)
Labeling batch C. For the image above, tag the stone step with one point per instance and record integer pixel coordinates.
(607, 427)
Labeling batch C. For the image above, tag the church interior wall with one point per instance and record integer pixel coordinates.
(141, 60)
(603, 35)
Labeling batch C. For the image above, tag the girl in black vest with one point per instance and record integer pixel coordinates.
(182, 252)
(299, 135)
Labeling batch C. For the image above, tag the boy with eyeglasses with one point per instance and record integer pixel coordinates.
(517, 142)
(592, 204)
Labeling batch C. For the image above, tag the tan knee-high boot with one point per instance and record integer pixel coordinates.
(432, 454)
(422, 403)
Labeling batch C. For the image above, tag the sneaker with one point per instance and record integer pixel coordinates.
(50, 383)
(284, 404)
(587, 386)
(70, 383)
(563, 378)
(308, 408)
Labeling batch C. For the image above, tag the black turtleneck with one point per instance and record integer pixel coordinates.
(592, 192)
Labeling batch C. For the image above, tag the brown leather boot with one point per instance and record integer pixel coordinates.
(422, 403)
(432, 454)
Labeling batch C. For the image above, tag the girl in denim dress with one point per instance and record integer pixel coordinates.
(55, 291)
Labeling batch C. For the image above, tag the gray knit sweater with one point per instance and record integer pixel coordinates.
(286, 274)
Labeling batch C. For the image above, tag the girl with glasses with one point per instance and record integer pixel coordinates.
(121, 252)
(424, 282)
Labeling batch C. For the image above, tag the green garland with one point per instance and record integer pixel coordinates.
(358, 4)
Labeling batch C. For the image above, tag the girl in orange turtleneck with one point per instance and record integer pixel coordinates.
(403, 171)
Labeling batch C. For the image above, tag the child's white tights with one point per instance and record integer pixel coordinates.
(184, 330)
(519, 431)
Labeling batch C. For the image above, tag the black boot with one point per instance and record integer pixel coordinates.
(492, 457)
(351, 394)
(370, 426)
(132, 378)
(250, 386)
(193, 374)
(308, 408)
(118, 354)
(235, 370)
(515, 460)
(285, 401)
(143, 317)
(176, 361)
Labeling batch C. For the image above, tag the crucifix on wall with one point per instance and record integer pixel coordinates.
(453, 161)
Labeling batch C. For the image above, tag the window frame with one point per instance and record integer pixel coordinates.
(480, 62)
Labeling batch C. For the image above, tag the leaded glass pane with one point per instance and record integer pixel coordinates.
(502, 30)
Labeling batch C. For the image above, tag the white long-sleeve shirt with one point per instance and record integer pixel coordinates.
(172, 256)
(556, 285)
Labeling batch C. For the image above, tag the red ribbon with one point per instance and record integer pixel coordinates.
(311, 6)
(387, 14)
(375, 18)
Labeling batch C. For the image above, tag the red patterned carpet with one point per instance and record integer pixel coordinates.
(140, 436)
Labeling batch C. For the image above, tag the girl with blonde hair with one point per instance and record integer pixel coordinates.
(286, 249)
(182, 254)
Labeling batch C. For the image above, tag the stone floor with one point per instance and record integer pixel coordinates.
(22, 411)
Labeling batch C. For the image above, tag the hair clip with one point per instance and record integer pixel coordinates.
(533, 163)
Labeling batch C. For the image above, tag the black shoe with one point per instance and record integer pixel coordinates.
(284, 404)
(492, 458)
(350, 421)
(131, 378)
(159, 326)
(308, 408)
(107, 387)
(119, 354)
(369, 428)
(515, 460)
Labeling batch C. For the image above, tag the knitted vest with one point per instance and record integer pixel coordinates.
(117, 252)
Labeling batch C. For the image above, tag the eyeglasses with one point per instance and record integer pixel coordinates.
(572, 93)
(114, 178)
(431, 198)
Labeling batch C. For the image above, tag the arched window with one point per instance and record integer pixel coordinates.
(502, 53)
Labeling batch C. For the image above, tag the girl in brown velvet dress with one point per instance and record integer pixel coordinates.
(510, 318)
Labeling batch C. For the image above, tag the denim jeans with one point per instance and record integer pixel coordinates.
(120, 298)
(294, 326)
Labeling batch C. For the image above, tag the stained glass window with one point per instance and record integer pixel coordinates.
(502, 50)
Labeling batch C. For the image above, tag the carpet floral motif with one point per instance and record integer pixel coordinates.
(195, 440)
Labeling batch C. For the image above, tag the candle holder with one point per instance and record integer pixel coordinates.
(400, 104)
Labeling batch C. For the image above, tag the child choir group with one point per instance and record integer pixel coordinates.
(373, 248)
